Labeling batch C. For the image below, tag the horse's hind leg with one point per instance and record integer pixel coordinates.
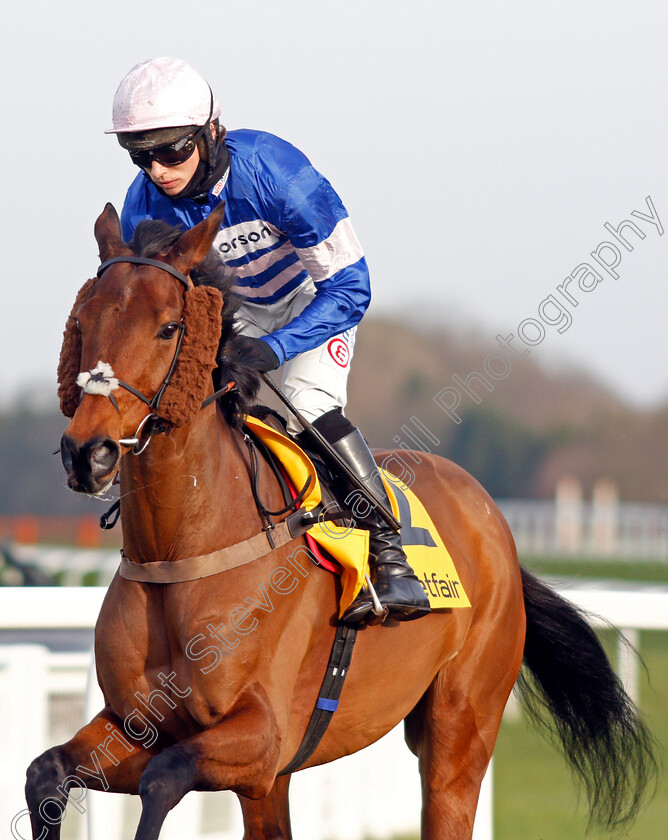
(98, 757)
(268, 818)
(454, 728)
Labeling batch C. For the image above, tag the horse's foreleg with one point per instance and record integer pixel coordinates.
(99, 757)
(268, 818)
(240, 754)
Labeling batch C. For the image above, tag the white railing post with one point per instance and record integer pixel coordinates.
(483, 827)
(104, 812)
(569, 513)
(604, 533)
(23, 728)
(628, 664)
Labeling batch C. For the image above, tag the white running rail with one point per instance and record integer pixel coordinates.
(375, 792)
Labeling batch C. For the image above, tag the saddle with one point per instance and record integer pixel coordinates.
(332, 494)
(333, 529)
(331, 507)
(311, 510)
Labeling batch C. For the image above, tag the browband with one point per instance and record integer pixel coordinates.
(145, 261)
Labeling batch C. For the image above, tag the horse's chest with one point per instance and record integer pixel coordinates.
(162, 668)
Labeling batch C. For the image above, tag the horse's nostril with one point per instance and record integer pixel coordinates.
(93, 459)
(103, 455)
(67, 449)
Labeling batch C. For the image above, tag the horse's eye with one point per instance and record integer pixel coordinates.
(168, 331)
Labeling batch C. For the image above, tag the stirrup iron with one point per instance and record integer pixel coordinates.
(378, 609)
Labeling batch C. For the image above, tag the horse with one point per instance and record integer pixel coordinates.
(209, 683)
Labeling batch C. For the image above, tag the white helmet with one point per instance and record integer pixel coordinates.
(162, 93)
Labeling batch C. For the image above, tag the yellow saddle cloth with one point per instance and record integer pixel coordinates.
(349, 546)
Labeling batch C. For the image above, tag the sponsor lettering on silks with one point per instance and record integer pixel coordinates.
(245, 238)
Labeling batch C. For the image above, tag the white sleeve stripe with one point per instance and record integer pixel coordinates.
(257, 266)
(271, 286)
(339, 250)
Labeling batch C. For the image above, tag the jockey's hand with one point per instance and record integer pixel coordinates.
(253, 352)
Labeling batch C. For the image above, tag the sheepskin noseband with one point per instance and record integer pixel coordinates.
(69, 363)
(191, 379)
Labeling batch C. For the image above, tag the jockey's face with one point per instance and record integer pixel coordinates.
(173, 179)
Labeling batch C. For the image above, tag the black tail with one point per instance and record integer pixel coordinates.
(598, 726)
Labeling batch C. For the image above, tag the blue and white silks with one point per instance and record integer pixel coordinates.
(283, 224)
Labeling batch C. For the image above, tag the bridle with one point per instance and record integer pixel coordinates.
(152, 424)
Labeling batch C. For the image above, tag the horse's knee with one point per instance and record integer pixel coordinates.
(45, 793)
(168, 777)
(44, 775)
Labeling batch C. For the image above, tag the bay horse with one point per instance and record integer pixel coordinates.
(209, 684)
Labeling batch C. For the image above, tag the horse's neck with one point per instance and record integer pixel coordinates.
(187, 494)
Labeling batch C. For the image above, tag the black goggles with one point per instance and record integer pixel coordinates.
(172, 154)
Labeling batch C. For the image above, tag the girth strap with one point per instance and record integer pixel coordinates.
(328, 697)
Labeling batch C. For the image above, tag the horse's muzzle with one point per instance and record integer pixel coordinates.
(91, 465)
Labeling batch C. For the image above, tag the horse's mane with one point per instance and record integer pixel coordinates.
(154, 239)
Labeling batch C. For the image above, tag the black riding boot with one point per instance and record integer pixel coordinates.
(396, 585)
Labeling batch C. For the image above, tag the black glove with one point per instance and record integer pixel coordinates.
(253, 352)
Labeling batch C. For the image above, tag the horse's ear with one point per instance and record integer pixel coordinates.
(108, 234)
(193, 246)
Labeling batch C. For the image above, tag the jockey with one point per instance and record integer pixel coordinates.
(288, 243)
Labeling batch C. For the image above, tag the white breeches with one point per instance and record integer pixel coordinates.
(315, 381)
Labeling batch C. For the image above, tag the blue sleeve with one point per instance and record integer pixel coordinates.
(339, 304)
(313, 217)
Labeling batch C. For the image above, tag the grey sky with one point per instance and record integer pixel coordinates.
(479, 148)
